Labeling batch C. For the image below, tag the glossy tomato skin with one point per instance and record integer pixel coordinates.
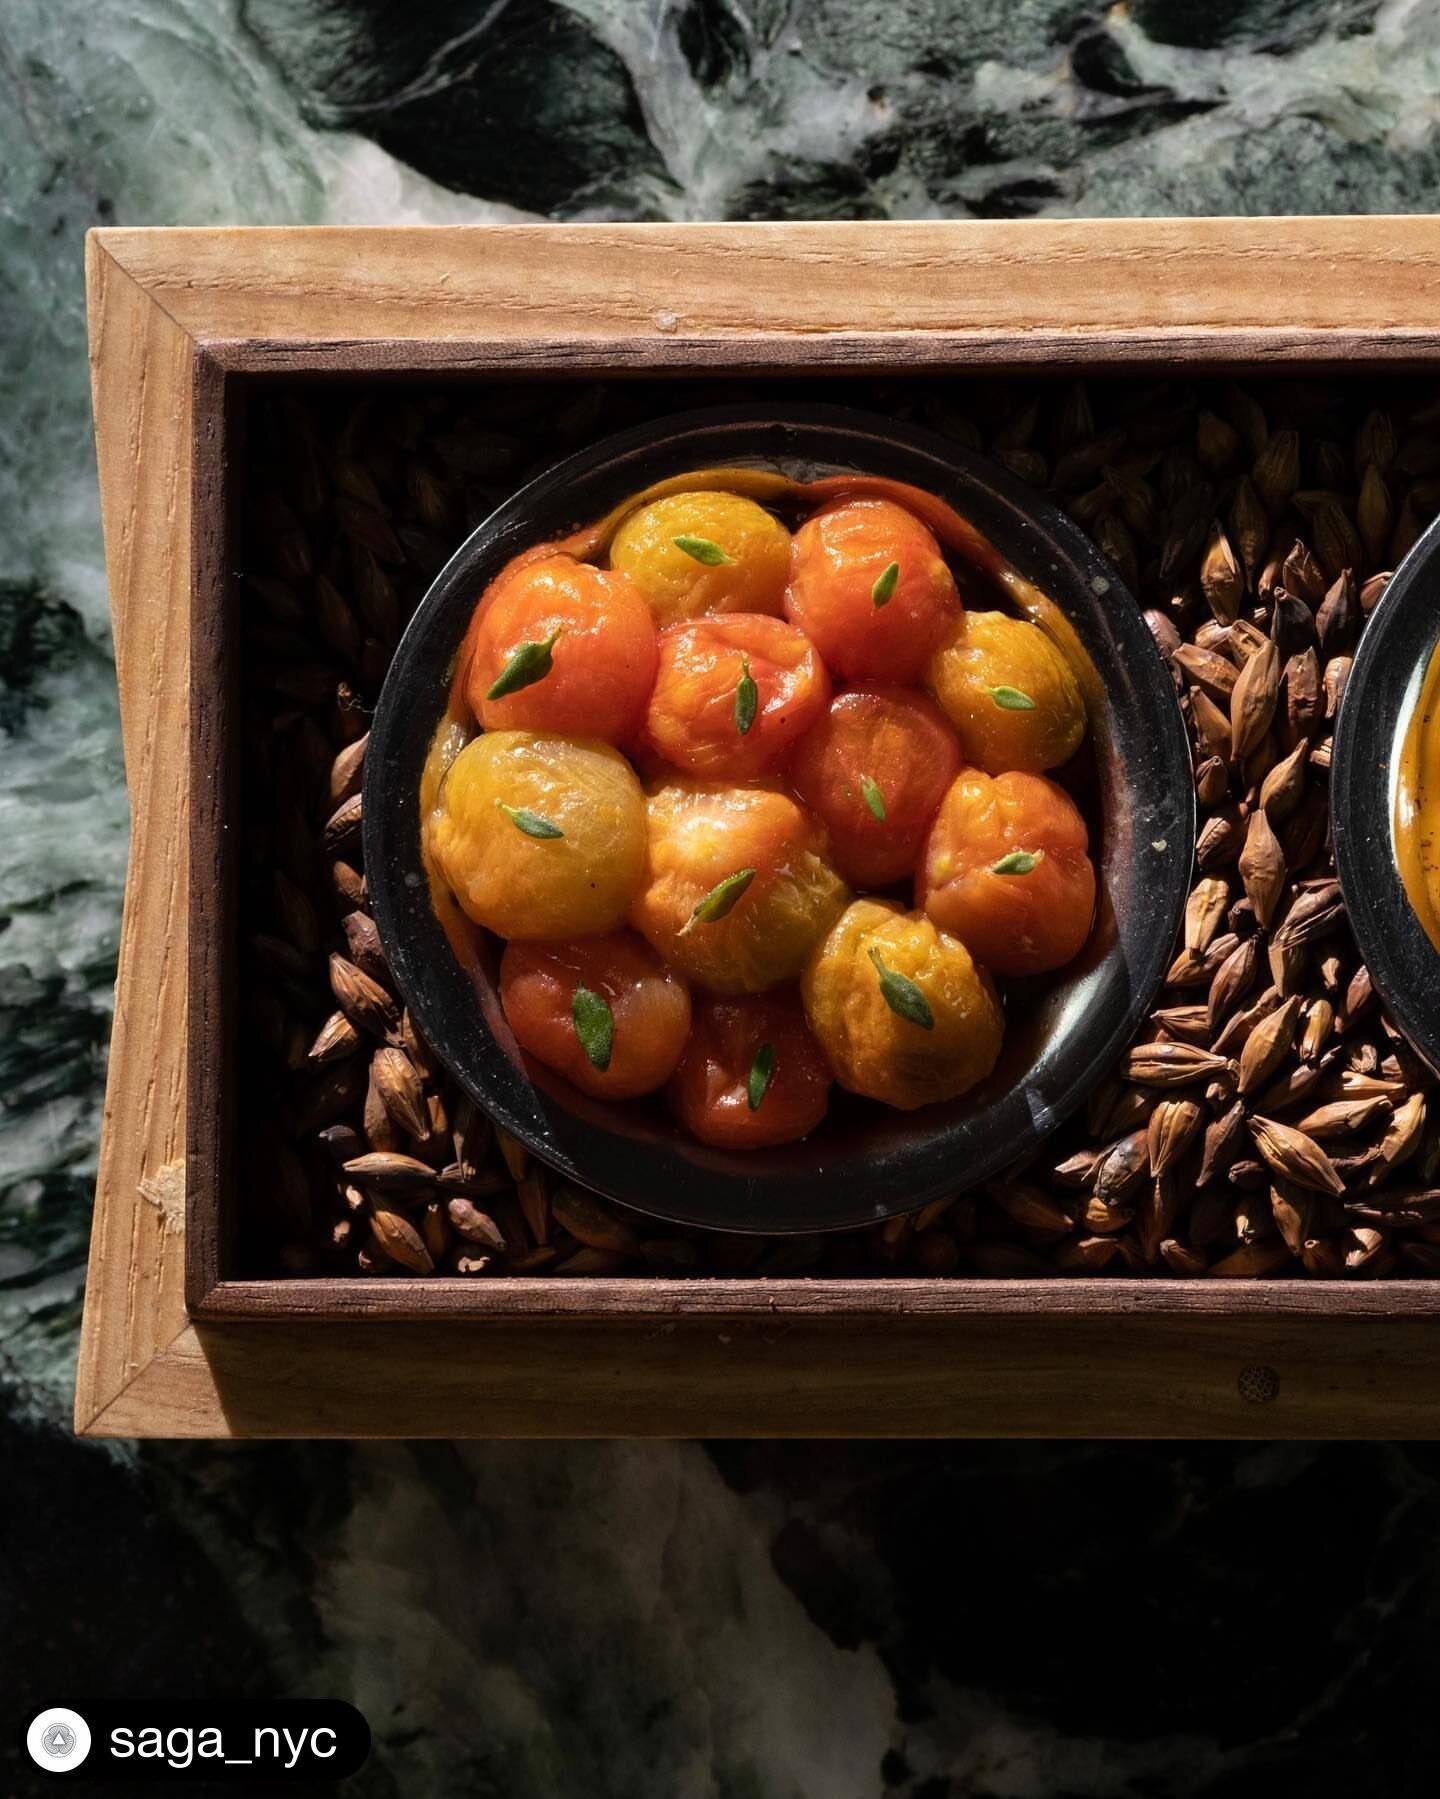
(579, 884)
(1028, 921)
(878, 749)
(990, 651)
(692, 720)
(835, 561)
(873, 1050)
(710, 1091)
(700, 834)
(678, 586)
(602, 663)
(649, 1003)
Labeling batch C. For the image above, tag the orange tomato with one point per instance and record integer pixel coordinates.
(874, 769)
(733, 693)
(730, 1093)
(648, 1007)
(869, 585)
(669, 550)
(736, 886)
(591, 658)
(1006, 871)
(1009, 692)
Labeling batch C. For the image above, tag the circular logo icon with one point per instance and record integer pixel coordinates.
(58, 1739)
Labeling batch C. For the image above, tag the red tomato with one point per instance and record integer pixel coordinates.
(734, 691)
(719, 1075)
(1006, 871)
(649, 1009)
(869, 585)
(874, 770)
(601, 665)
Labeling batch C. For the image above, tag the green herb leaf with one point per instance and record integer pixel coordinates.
(874, 799)
(529, 664)
(722, 898)
(1018, 862)
(747, 698)
(762, 1072)
(529, 822)
(885, 584)
(902, 996)
(1011, 699)
(702, 549)
(594, 1026)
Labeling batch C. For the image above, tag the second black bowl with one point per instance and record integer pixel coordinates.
(1380, 696)
(866, 1161)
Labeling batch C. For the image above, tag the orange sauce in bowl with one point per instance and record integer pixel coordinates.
(1417, 803)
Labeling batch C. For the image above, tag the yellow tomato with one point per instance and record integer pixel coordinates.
(900, 1008)
(540, 836)
(681, 582)
(1010, 694)
(754, 865)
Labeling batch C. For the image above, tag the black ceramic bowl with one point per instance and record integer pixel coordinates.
(1380, 698)
(866, 1161)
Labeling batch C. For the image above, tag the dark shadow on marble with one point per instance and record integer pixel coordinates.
(1266, 1612)
(526, 93)
(103, 1592)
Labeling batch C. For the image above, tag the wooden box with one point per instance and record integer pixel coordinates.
(186, 324)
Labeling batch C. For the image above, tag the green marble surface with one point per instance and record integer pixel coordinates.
(647, 1619)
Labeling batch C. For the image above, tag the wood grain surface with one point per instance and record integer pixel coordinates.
(1027, 287)
(1017, 1375)
(178, 319)
(141, 384)
(212, 752)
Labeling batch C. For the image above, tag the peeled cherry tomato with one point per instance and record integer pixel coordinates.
(869, 585)
(595, 677)
(1006, 871)
(729, 1092)
(648, 1007)
(869, 988)
(1010, 694)
(733, 693)
(736, 887)
(539, 836)
(874, 769)
(669, 551)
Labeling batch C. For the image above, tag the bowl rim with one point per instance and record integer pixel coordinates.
(1381, 691)
(801, 1187)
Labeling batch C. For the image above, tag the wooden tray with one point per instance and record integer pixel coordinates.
(183, 323)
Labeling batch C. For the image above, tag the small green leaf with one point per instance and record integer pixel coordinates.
(594, 1026)
(874, 799)
(762, 1072)
(1011, 699)
(902, 996)
(747, 698)
(1018, 862)
(885, 584)
(529, 664)
(703, 549)
(529, 822)
(722, 898)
